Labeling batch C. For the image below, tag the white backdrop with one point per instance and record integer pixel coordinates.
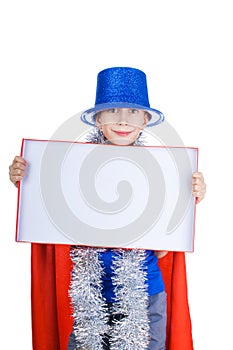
(51, 52)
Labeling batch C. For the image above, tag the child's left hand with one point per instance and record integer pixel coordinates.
(198, 186)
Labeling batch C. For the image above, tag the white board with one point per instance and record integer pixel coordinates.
(107, 196)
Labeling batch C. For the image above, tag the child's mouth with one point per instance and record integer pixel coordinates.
(122, 133)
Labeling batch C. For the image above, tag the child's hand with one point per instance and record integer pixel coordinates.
(17, 170)
(160, 253)
(198, 186)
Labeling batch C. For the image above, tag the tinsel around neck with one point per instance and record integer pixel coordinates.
(91, 313)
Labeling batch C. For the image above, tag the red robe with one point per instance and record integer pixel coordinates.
(51, 311)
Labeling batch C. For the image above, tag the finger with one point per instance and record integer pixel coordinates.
(198, 174)
(16, 172)
(197, 180)
(16, 175)
(18, 165)
(16, 179)
(19, 159)
(199, 187)
(198, 199)
(198, 193)
(196, 188)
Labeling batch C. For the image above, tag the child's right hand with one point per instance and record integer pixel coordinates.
(17, 170)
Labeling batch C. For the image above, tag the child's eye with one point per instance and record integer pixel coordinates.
(113, 110)
(133, 111)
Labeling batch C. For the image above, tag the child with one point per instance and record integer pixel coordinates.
(118, 295)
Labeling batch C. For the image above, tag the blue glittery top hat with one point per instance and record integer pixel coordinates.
(121, 87)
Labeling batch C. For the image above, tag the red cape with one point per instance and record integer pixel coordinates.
(51, 311)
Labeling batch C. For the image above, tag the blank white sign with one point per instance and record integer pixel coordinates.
(107, 196)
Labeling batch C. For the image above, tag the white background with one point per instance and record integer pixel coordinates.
(51, 52)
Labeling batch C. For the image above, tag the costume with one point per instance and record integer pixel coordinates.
(52, 323)
(51, 309)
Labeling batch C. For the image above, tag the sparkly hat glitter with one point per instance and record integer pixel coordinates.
(122, 87)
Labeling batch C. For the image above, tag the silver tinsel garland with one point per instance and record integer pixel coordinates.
(91, 314)
(132, 331)
(90, 309)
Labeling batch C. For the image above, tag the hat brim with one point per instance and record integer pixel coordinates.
(88, 116)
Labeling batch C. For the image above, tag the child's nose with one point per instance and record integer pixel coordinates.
(123, 117)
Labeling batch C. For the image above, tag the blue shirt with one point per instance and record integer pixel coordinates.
(154, 280)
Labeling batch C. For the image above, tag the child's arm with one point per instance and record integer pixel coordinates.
(17, 170)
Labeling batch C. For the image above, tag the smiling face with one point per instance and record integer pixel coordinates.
(121, 126)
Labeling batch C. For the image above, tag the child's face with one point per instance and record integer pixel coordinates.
(121, 126)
